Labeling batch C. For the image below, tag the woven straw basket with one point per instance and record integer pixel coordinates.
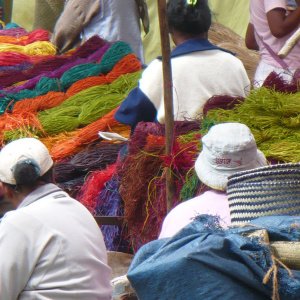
(266, 191)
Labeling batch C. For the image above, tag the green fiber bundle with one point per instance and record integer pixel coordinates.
(113, 55)
(274, 119)
(87, 106)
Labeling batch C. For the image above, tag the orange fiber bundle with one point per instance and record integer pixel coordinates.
(40, 103)
(128, 64)
(34, 36)
(82, 136)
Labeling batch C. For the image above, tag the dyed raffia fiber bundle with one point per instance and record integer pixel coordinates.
(144, 193)
(87, 106)
(96, 156)
(116, 52)
(274, 119)
(50, 64)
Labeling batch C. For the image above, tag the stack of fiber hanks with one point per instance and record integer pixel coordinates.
(273, 115)
(65, 100)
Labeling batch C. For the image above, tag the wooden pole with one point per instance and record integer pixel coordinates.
(168, 94)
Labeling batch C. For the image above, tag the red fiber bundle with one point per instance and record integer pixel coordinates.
(221, 101)
(142, 174)
(93, 186)
(276, 82)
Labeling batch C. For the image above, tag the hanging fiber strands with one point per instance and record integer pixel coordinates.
(93, 185)
(274, 119)
(109, 203)
(34, 36)
(52, 63)
(144, 193)
(96, 156)
(87, 106)
(36, 48)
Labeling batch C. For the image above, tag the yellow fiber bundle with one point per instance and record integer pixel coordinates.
(36, 48)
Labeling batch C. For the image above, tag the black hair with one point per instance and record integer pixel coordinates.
(27, 173)
(189, 16)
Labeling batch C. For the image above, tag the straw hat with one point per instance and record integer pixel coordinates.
(227, 148)
(267, 191)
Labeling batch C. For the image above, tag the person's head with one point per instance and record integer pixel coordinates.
(25, 164)
(188, 19)
(226, 149)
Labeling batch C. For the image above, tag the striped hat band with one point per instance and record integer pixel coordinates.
(267, 191)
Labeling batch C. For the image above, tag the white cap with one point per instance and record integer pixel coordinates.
(226, 149)
(19, 150)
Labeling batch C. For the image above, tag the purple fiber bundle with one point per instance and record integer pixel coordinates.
(96, 156)
(90, 46)
(31, 83)
(16, 32)
(7, 70)
(109, 203)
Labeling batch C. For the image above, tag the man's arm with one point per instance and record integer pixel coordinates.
(282, 24)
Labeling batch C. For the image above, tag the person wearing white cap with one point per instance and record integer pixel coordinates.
(50, 246)
(226, 149)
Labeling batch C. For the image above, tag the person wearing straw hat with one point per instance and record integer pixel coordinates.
(50, 246)
(227, 148)
(200, 70)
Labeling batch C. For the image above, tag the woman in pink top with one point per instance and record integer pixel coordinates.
(271, 24)
(226, 149)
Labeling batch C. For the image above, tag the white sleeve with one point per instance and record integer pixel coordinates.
(15, 261)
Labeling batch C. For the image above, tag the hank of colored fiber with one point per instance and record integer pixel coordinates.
(190, 187)
(109, 203)
(85, 135)
(128, 64)
(52, 63)
(12, 58)
(222, 101)
(95, 156)
(34, 36)
(73, 186)
(275, 82)
(114, 54)
(119, 50)
(274, 119)
(14, 32)
(36, 48)
(40, 103)
(57, 73)
(15, 68)
(87, 106)
(93, 186)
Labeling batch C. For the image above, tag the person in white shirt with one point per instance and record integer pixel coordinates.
(200, 70)
(50, 246)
